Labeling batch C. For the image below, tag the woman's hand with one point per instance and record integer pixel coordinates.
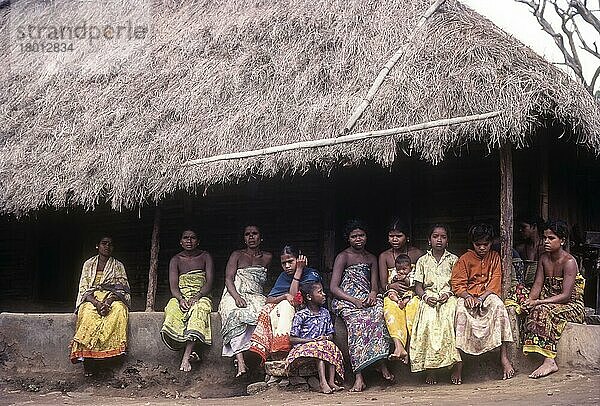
(471, 302)
(431, 301)
(358, 303)
(371, 299)
(184, 304)
(399, 287)
(444, 298)
(289, 298)
(301, 262)
(240, 302)
(101, 307)
(531, 303)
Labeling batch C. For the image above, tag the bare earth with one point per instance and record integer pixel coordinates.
(562, 388)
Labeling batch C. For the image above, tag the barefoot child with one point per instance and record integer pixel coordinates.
(482, 322)
(312, 337)
(433, 344)
(400, 308)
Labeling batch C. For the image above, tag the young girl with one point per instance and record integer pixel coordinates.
(433, 345)
(312, 337)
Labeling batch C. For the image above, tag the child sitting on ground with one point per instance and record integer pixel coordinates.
(312, 338)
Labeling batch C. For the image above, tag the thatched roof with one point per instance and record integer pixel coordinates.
(231, 75)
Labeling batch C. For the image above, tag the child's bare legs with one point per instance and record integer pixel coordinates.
(325, 388)
(359, 383)
(331, 380)
(456, 376)
(507, 368)
(399, 351)
(241, 364)
(185, 361)
(548, 366)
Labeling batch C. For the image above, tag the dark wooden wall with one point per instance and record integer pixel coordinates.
(41, 255)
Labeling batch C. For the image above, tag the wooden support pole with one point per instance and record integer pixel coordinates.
(155, 247)
(506, 215)
(387, 67)
(345, 139)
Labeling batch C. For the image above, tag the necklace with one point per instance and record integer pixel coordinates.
(256, 254)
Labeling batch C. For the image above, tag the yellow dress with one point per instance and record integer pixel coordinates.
(101, 336)
(193, 325)
(433, 343)
(399, 321)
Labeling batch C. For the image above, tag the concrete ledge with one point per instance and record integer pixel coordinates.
(41, 341)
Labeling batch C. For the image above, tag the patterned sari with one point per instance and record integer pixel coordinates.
(367, 335)
(272, 332)
(238, 322)
(194, 324)
(545, 323)
(101, 336)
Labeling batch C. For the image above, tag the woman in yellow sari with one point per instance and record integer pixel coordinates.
(102, 308)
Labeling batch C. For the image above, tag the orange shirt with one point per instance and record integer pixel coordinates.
(475, 275)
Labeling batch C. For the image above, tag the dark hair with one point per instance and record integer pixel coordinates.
(402, 259)
(101, 236)
(536, 221)
(481, 231)
(558, 227)
(438, 225)
(251, 225)
(189, 229)
(398, 225)
(308, 288)
(352, 225)
(290, 250)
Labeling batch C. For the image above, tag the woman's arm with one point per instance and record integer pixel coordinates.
(230, 272)
(372, 298)
(336, 279)
(298, 340)
(210, 272)
(538, 282)
(295, 285)
(383, 272)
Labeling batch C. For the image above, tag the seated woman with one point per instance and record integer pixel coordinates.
(531, 247)
(102, 308)
(398, 319)
(354, 287)
(481, 321)
(243, 298)
(271, 336)
(187, 315)
(555, 298)
(433, 343)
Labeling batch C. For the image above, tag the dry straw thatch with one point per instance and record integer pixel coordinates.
(230, 75)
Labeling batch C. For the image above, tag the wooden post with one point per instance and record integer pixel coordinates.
(543, 176)
(155, 247)
(506, 215)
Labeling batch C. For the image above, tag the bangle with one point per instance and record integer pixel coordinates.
(296, 279)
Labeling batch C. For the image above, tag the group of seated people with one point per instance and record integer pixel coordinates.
(422, 309)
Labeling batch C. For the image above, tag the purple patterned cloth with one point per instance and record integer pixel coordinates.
(367, 335)
(306, 324)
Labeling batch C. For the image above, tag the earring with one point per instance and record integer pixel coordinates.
(96, 247)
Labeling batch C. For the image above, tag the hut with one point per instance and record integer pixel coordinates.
(85, 149)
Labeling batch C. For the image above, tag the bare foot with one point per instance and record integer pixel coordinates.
(548, 366)
(325, 388)
(387, 375)
(456, 376)
(508, 371)
(336, 388)
(430, 379)
(359, 384)
(185, 365)
(241, 371)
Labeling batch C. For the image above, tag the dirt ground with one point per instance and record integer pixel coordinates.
(562, 388)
